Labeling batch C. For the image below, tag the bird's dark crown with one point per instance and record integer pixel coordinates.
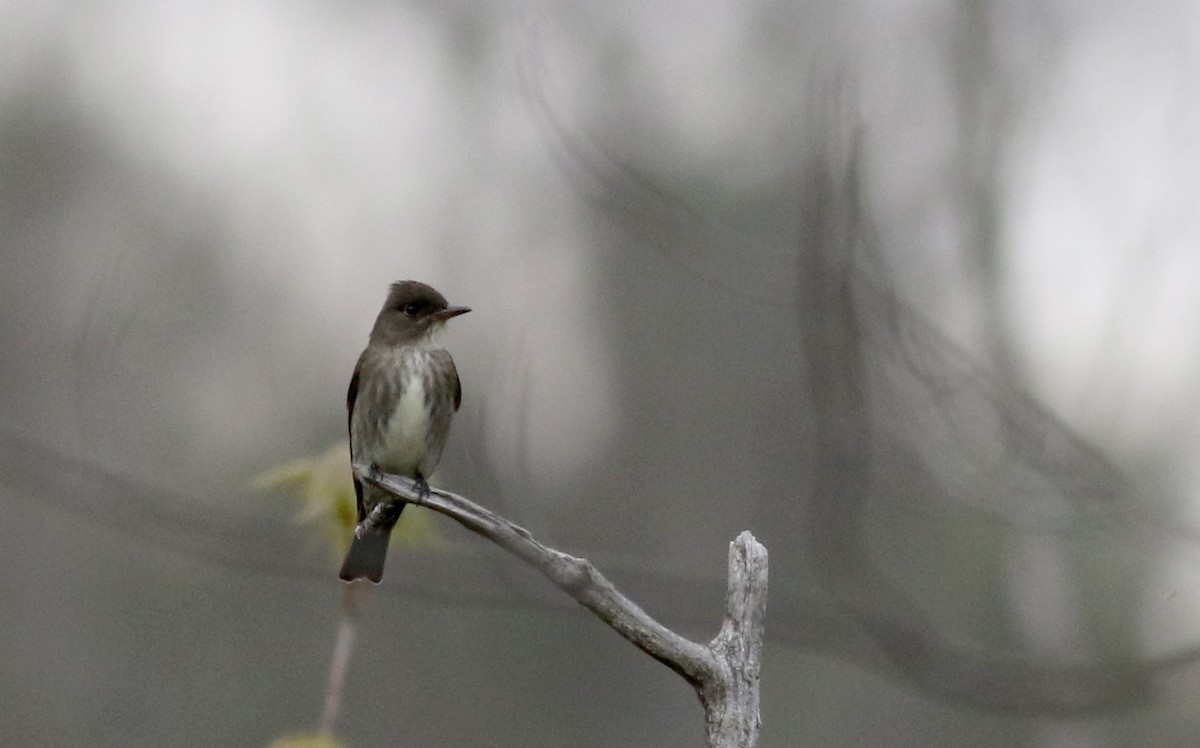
(414, 299)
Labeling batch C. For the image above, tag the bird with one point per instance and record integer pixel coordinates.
(403, 394)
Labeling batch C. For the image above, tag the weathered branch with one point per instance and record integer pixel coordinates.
(725, 672)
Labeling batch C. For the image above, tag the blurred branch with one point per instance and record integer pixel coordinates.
(354, 597)
(725, 672)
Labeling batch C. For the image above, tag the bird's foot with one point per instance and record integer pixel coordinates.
(422, 487)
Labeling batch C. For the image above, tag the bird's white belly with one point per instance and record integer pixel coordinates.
(405, 436)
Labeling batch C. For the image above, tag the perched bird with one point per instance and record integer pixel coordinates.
(402, 396)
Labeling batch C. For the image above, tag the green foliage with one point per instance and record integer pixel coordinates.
(307, 740)
(325, 489)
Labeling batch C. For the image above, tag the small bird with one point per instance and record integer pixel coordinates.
(402, 396)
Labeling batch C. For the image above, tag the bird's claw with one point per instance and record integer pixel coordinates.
(422, 487)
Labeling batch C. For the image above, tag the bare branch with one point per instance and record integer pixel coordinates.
(725, 672)
(732, 709)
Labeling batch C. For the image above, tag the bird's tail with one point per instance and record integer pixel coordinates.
(368, 551)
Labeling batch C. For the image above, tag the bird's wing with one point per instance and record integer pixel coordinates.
(445, 358)
(351, 396)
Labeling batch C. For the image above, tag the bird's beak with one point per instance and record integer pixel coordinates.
(451, 311)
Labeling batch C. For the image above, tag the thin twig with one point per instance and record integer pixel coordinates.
(337, 675)
(353, 598)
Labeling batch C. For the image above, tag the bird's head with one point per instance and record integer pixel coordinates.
(412, 313)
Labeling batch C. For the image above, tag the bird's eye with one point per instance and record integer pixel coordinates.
(412, 308)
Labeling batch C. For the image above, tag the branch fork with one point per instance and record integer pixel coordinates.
(724, 672)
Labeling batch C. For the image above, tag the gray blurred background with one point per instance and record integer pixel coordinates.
(908, 289)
